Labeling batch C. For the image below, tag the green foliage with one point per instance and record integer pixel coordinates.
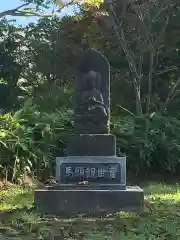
(52, 51)
(30, 139)
(10, 67)
(151, 144)
(15, 145)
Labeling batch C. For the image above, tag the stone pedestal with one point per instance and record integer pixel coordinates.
(91, 184)
(92, 145)
(88, 200)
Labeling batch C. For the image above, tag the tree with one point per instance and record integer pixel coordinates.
(10, 66)
(139, 28)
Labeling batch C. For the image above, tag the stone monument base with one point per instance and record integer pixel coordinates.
(88, 200)
(92, 145)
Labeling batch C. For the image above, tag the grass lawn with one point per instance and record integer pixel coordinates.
(160, 220)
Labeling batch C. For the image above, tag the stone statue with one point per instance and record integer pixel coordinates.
(92, 99)
(92, 104)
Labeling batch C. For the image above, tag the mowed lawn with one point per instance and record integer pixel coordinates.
(160, 219)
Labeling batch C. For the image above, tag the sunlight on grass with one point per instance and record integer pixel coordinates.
(15, 198)
(12, 191)
(6, 206)
(126, 215)
(163, 194)
(166, 196)
(154, 188)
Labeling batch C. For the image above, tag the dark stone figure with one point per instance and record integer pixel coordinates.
(94, 113)
(92, 98)
(92, 110)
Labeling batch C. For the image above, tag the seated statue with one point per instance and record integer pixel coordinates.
(93, 111)
(92, 100)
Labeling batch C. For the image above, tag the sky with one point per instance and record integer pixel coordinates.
(10, 4)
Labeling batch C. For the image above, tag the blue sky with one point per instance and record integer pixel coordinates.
(10, 4)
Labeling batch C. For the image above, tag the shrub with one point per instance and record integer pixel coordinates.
(151, 144)
(30, 139)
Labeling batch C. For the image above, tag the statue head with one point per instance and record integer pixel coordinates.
(91, 80)
(92, 74)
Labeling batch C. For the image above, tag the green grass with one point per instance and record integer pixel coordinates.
(160, 219)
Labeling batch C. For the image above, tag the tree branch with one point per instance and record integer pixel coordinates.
(119, 32)
(12, 12)
(126, 110)
(151, 61)
(170, 96)
(166, 70)
(18, 11)
(163, 29)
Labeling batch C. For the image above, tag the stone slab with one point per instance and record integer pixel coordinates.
(88, 201)
(100, 170)
(92, 145)
(85, 187)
